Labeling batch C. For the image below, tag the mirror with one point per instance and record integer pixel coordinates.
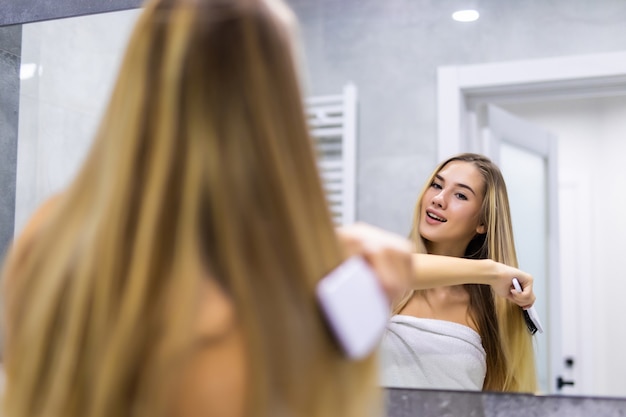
(390, 51)
(68, 69)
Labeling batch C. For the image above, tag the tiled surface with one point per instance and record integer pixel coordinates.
(424, 403)
(24, 11)
(10, 41)
(402, 192)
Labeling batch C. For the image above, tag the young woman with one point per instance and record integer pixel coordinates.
(176, 274)
(460, 337)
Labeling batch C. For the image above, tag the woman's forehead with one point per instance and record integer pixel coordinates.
(462, 171)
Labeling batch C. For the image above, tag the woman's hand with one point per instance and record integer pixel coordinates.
(389, 255)
(503, 285)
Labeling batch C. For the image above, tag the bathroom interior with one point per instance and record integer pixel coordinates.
(57, 68)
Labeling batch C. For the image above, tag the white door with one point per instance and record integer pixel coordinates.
(527, 156)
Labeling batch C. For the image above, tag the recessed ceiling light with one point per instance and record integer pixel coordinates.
(465, 15)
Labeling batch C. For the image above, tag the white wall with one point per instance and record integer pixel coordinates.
(68, 70)
(592, 181)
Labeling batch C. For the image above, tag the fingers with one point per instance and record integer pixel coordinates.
(388, 254)
(525, 298)
(521, 299)
(504, 285)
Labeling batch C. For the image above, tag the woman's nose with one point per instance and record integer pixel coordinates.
(439, 200)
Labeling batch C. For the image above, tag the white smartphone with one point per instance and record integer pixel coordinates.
(355, 307)
(530, 314)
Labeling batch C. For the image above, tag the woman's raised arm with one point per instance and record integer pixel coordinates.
(399, 268)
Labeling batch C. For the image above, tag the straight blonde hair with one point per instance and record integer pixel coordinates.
(202, 165)
(507, 342)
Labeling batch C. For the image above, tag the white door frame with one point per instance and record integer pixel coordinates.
(462, 90)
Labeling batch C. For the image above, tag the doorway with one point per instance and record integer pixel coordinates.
(591, 184)
(463, 92)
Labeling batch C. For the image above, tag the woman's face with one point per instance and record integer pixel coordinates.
(450, 211)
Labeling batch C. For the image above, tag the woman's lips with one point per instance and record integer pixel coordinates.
(434, 218)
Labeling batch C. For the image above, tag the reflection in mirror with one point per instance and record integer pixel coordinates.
(459, 337)
(391, 51)
(68, 69)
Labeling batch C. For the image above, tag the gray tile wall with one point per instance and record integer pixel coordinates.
(10, 47)
(430, 403)
(26, 11)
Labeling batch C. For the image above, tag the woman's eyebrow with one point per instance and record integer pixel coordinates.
(458, 184)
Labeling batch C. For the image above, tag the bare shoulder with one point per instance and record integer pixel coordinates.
(216, 315)
(213, 380)
(23, 241)
(37, 219)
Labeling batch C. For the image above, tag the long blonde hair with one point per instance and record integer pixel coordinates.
(507, 342)
(202, 163)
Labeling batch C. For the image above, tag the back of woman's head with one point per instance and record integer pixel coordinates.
(202, 167)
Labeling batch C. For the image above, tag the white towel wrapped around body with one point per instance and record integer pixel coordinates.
(427, 353)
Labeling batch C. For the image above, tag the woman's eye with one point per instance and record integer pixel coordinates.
(461, 196)
(435, 185)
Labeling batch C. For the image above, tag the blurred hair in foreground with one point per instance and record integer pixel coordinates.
(202, 171)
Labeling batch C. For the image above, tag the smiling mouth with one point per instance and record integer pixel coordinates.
(439, 219)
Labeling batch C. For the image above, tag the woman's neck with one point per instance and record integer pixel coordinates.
(434, 249)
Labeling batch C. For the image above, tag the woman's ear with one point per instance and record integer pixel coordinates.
(481, 229)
